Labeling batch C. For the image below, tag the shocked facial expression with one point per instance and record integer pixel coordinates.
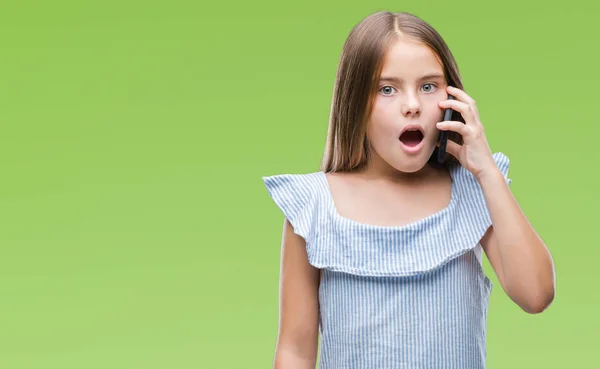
(402, 130)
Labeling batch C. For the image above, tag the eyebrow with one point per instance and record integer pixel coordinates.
(396, 79)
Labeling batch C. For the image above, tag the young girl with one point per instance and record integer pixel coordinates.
(382, 247)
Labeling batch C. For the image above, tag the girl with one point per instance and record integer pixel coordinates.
(382, 247)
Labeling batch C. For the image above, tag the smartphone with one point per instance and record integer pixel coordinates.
(441, 157)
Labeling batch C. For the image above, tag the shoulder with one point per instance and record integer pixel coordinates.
(464, 177)
(299, 197)
(472, 213)
(292, 179)
(297, 187)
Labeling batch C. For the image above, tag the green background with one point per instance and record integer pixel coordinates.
(136, 231)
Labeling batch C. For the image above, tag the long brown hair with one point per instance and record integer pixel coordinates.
(360, 65)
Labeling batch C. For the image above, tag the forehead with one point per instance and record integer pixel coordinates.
(408, 57)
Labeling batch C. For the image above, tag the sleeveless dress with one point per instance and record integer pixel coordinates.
(395, 297)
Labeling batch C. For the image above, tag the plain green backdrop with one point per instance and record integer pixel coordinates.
(136, 232)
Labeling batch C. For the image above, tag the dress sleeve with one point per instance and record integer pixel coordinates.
(295, 196)
(503, 163)
(473, 217)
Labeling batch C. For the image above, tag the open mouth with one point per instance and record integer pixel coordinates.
(412, 136)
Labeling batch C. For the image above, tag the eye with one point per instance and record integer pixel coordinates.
(432, 87)
(387, 88)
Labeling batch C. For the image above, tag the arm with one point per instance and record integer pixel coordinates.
(297, 340)
(516, 252)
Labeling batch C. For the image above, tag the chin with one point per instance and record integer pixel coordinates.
(411, 163)
(411, 166)
(408, 163)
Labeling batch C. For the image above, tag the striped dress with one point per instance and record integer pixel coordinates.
(412, 296)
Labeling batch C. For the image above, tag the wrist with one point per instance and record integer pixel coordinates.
(489, 176)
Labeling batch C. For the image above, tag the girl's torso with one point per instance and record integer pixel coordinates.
(399, 289)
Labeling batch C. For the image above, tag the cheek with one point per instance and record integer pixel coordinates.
(432, 112)
(379, 133)
(432, 106)
(380, 110)
(380, 130)
(383, 117)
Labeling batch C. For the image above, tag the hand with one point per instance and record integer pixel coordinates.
(474, 154)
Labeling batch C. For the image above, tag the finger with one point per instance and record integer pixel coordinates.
(453, 148)
(461, 95)
(463, 108)
(452, 125)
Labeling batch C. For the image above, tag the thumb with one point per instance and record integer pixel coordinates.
(453, 148)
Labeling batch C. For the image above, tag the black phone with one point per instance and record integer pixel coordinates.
(441, 156)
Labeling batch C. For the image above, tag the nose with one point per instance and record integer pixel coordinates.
(411, 106)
